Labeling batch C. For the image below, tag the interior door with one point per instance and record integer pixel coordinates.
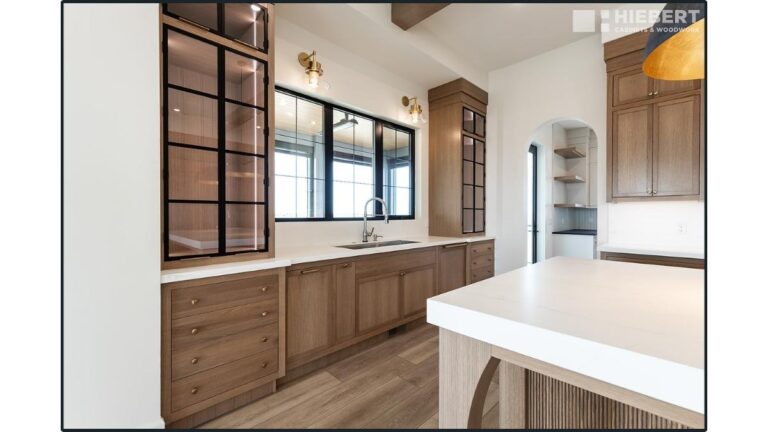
(676, 147)
(632, 161)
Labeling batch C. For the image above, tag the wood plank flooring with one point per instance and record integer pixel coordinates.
(390, 385)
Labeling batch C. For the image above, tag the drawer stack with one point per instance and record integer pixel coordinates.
(481, 260)
(221, 339)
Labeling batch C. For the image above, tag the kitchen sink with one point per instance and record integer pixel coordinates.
(377, 244)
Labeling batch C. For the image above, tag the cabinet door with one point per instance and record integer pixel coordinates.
(452, 267)
(666, 88)
(631, 86)
(345, 301)
(676, 147)
(378, 301)
(631, 149)
(309, 298)
(418, 286)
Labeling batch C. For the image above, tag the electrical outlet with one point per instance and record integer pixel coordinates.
(681, 228)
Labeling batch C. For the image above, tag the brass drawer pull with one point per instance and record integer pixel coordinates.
(194, 360)
(453, 246)
(264, 365)
(308, 271)
(650, 93)
(345, 265)
(195, 390)
(656, 93)
(194, 301)
(402, 273)
(264, 339)
(265, 313)
(195, 331)
(264, 289)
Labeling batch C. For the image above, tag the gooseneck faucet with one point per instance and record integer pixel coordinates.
(367, 233)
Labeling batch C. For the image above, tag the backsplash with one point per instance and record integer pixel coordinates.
(575, 218)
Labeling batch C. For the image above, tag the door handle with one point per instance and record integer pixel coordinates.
(308, 271)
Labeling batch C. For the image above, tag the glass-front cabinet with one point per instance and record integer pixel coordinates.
(217, 145)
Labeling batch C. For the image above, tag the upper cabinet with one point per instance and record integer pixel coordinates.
(457, 159)
(655, 128)
(217, 133)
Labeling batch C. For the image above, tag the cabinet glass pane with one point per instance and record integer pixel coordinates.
(479, 220)
(204, 14)
(245, 227)
(244, 129)
(469, 148)
(479, 151)
(192, 174)
(468, 121)
(468, 197)
(468, 221)
(479, 175)
(468, 173)
(480, 124)
(192, 119)
(192, 63)
(193, 229)
(479, 197)
(244, 178)
(244, 79)
(245, 22)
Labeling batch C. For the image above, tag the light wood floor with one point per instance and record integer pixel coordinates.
(390, 385)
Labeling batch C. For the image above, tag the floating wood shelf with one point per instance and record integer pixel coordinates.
(570, 152)
(570, 179)
(571, 205)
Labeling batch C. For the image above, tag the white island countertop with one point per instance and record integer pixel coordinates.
(640, 327)
(285, 257)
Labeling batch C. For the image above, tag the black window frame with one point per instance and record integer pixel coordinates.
(220, 20)
(221, 150)
(378, 127)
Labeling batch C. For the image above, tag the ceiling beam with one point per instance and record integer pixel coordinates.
(407, 15)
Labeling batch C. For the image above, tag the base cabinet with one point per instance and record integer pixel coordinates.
(418, 286)
(345, 301)
(310, 291)
(378, 301)
(451, 267)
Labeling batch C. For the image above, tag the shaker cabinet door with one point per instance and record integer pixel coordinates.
(676, 150)
(631, 153)
(308, 310)
(631, 86)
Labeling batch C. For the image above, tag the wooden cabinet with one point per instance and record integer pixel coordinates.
(451, 267)
(309, 310)
(694, 263)
(378, 301)
(654, 129)
(457, 159)
(418, 286)
(481, 260)
(345, 300)
(222, 343)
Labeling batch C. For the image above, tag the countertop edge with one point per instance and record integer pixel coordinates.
(668, 381)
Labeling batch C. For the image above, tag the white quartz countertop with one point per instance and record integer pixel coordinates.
(617, 248)
(285, 257)
(636, 326)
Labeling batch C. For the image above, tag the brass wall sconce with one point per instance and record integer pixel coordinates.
(415, 113)
(312, 68)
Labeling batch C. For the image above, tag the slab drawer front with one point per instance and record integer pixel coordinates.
(400, 261)
(204, 327)
(221, 295)
(199, 356)
(482, 261)
(485, 248)
(201, 386)
(482, 273)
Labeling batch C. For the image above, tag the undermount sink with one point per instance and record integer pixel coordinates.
(377, 244)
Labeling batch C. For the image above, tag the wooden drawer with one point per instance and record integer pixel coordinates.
(480, 248)
(208, 297)
(202, 328)
(199, 356)
(396, 262)
(201, 386)
(481, 261)
(481, 274)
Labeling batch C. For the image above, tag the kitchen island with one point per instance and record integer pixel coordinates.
(578, 344)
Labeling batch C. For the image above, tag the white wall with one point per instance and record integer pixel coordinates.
(355, 83)
(111, 216)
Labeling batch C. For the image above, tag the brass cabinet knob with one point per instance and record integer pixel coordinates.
(195, 331)
(264, 314)
(195, 390)
(402, 273)
(264, 364)
(194, 360)
(654, 192)
(648, 191)
(656, 93)
(488, 248)
(263, 289)
(194, 301)
(650, 93)
(264, 339)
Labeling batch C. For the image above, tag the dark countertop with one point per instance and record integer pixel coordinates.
(589, 232)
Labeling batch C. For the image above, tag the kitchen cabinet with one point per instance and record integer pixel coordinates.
(378, 301)
(655, 129)
(694, 263)
(451, 267)
(418, 286)
(345, 300)
(309, 310)
(481, 260)
(457, 113)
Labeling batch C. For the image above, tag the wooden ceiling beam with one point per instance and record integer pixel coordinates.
(407, 15)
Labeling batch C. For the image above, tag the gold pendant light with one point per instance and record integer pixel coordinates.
(675, 48)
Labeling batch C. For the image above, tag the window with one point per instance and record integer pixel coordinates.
(329, 161)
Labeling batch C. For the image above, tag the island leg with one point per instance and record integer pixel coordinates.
(466, 370)
(511, 396)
